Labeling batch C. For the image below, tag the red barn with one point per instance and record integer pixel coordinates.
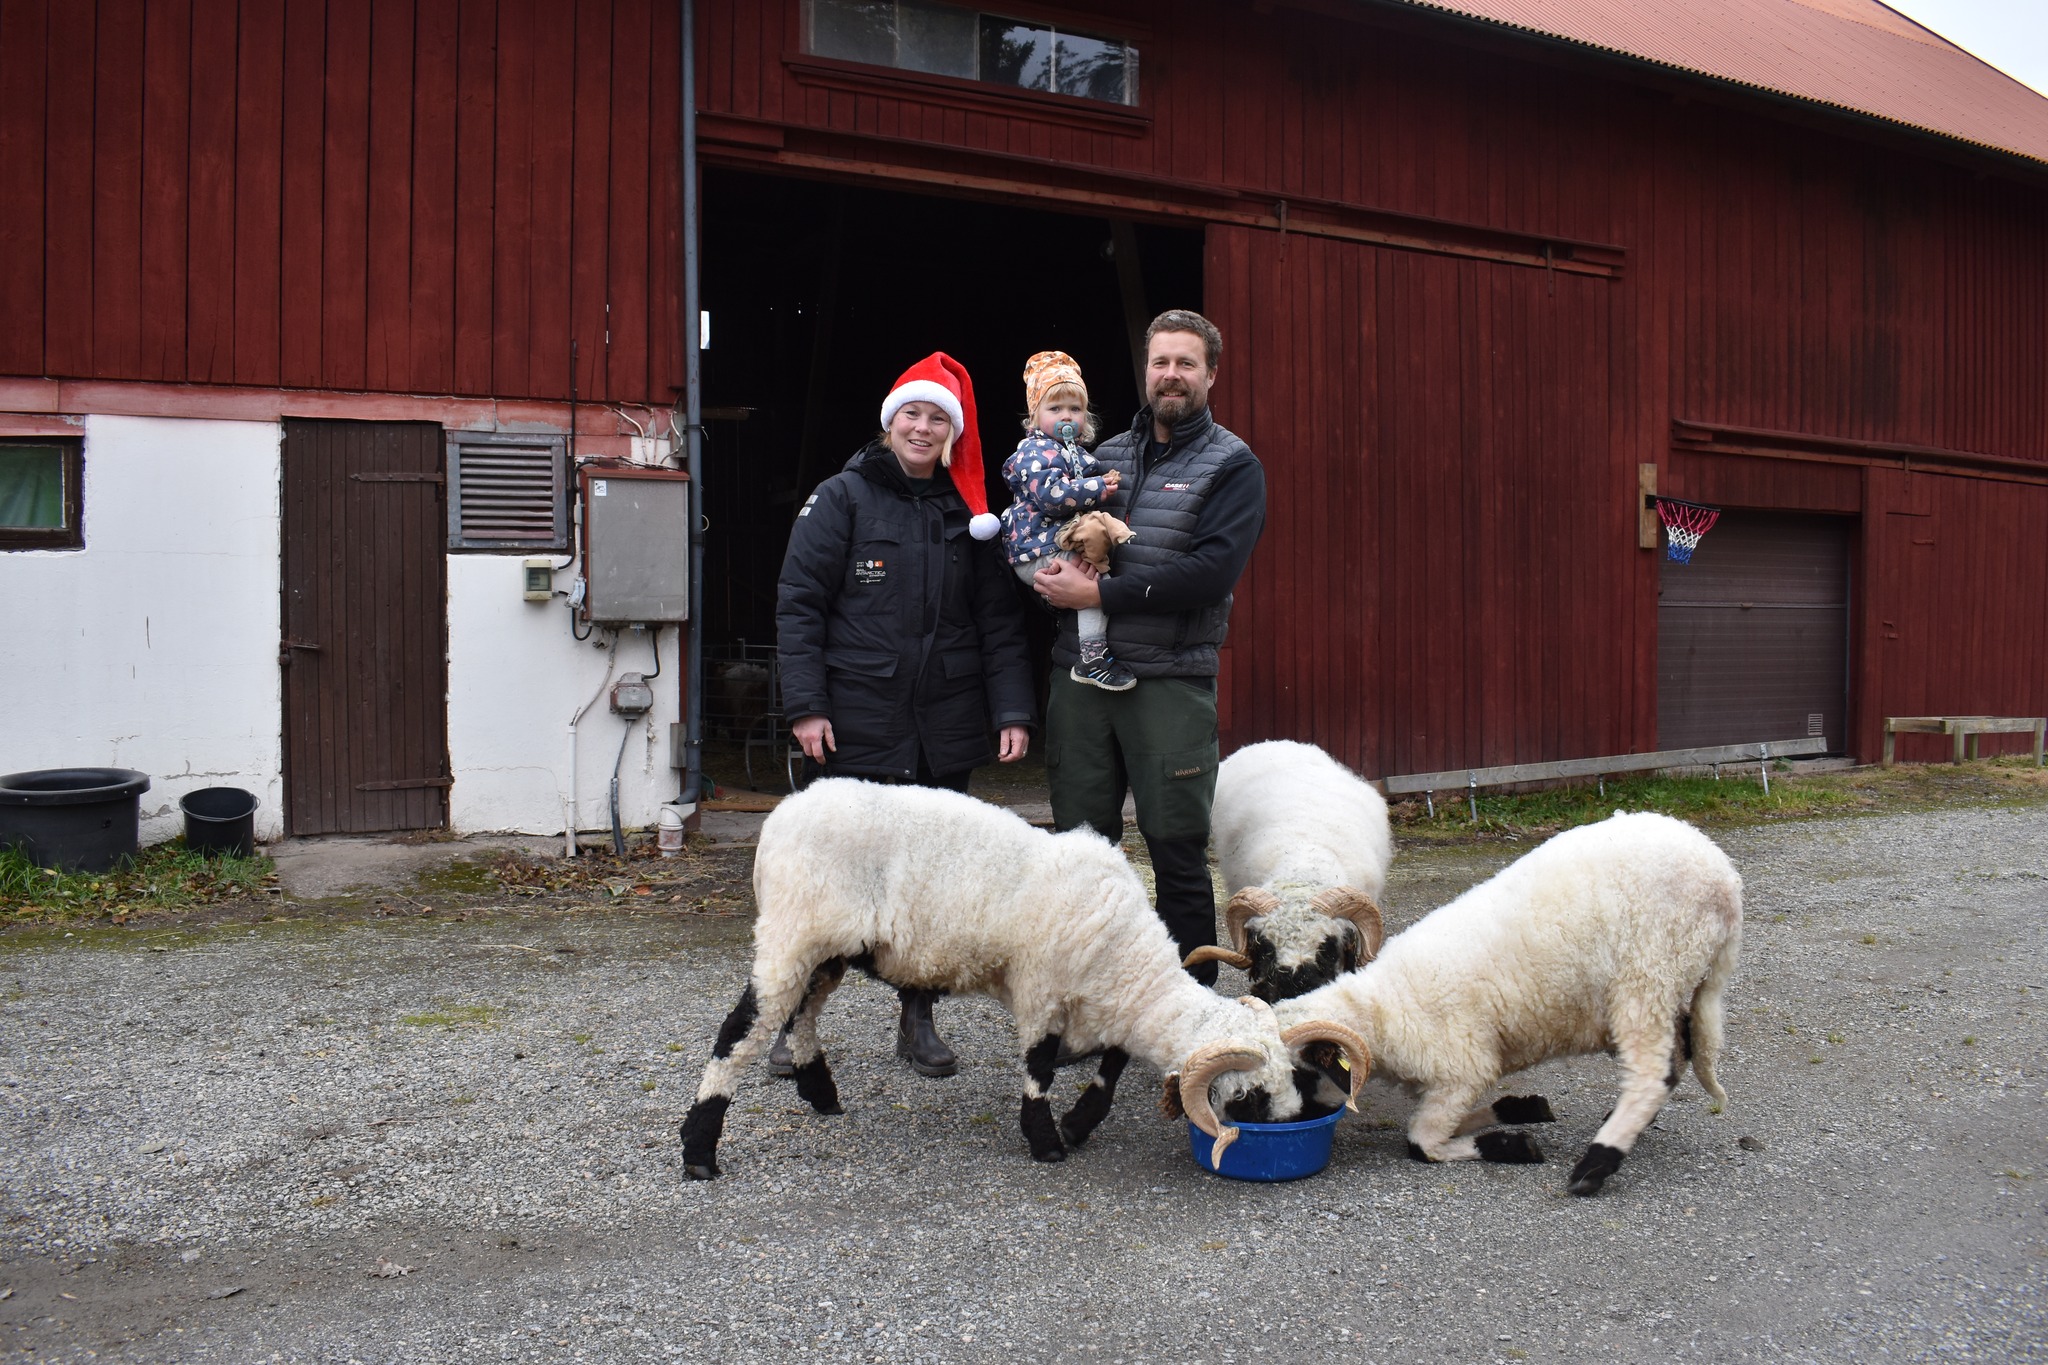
(1486, 272)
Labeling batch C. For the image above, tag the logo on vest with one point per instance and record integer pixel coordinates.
(868, 571)
(1178, 486)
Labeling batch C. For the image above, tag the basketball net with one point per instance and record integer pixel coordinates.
(1684, 524)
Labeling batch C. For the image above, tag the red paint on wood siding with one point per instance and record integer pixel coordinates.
(388, 245)
(299, 324)
(166, 185)
(24, 138)
(207, 285)
(259, 186)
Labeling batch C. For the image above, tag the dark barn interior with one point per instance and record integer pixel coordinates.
(820, 295)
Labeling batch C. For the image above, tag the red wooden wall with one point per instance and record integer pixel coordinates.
(426, 196)
(1450, 574)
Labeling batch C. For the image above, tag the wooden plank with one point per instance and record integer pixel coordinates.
(259, 194)
(344, 233)
(513, 201)
(590, 177)
(24, 133)
(431, 325)
(553, 158)
(117, 191)
(1561, 769)
(298, 325)
(166, 187)
(208, 282)
(387, 342)
(475, 180)
(626, 201)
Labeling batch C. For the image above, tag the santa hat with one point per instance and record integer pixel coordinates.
(942, 380)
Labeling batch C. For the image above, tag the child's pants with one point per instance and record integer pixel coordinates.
(1092, 622)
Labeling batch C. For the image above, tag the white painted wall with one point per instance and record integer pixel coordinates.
(515, 677)
(155, 647)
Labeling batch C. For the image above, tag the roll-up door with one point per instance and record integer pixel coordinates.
(1753, 634)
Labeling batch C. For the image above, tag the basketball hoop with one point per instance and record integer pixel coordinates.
(1684, 524)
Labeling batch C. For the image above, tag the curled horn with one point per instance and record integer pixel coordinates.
(1207, 1063)
(1353, 1046)
(1214, 954)
(1253, 900)
(1348, 902)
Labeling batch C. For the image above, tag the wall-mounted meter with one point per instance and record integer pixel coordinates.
(636, 543)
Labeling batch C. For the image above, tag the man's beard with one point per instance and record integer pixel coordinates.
(1171, 407)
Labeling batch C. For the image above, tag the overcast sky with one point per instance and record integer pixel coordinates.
(2012, 35)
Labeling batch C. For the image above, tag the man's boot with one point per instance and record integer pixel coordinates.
(780, 1062)
(917, 1042)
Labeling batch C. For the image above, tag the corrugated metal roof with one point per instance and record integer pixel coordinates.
(1852, 54)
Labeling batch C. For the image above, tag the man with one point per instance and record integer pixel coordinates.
(1196, 497)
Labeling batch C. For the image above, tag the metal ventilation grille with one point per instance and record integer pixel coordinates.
(507, 493)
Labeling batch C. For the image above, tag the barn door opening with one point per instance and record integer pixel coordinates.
(364, 648)
(1753, 634)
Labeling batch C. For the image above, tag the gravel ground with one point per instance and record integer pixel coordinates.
(217, 1139)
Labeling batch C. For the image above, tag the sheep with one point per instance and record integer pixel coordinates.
(1619, 936)
(937, 890)
(1304, 844)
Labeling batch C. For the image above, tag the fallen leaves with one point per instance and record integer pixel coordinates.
(389, 1270)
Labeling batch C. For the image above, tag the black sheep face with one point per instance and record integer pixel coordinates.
(1310, 1100)
(1273, 981)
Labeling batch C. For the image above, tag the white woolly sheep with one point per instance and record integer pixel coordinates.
(937, 890)
(1304, 845)
(1618, 937)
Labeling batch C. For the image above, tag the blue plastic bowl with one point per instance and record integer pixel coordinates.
(1270, 1151)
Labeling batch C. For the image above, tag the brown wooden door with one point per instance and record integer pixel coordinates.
(1753, 634)
(364, 648)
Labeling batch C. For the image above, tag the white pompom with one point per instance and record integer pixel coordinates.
(985, 526)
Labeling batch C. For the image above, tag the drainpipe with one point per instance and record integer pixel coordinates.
(693, 419)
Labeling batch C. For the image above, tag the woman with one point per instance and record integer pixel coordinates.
(900, 636)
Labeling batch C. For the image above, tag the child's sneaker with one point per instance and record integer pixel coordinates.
(1097, 669)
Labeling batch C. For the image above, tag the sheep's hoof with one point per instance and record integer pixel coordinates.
(1523, 1109)
(1415, 1153)
(701, 1172)
(1599, 1162)
(1050, 1154)
(1512, 1148)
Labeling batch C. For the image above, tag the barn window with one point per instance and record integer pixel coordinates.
(506, 492)
(42, 494)
(944, 40)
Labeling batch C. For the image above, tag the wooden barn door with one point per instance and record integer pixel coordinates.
(1753, 634)
(363, 654)
(1445, 575)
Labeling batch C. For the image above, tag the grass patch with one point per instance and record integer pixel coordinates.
(163, 877)
(1738, 797)
(455, 1016)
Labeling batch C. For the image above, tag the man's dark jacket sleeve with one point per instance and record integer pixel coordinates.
(1225, 535)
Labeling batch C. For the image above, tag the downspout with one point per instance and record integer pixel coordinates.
(693, 416)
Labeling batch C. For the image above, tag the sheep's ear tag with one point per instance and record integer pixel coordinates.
(1344, 1062)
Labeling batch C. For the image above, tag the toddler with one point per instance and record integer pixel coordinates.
(1052, 480)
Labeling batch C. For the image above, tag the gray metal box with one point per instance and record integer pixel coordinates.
(636, 544)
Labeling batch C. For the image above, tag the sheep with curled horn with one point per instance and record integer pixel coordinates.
(1304, 844)
(937, 890)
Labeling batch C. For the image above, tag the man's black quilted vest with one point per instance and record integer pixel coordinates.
(1162, 511)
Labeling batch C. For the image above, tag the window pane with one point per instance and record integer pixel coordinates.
(1091, 67)
(31, 488)
(1013, 53)
(854, 30)
(936, 38)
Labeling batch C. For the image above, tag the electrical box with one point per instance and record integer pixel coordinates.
(631, 696)
(636, 543)
(540, 580)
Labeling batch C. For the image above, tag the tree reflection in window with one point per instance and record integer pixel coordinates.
(945, 40)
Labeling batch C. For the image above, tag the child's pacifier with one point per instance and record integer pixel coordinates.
(1065, 431)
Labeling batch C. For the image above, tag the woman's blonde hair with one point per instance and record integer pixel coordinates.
(1088, 424)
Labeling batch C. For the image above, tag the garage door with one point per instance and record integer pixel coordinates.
(1753, 635)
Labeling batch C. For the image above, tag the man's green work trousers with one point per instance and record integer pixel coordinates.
(1158, 741)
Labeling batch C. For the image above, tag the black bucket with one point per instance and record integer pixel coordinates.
(220, 820)
(72, 819)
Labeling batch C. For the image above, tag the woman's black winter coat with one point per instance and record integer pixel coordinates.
(897, 626)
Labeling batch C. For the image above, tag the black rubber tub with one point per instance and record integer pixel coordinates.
(73, 819)
(220, 820)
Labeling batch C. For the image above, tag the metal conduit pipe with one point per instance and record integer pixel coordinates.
(693, 415)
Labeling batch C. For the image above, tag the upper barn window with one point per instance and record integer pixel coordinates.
(917, 35)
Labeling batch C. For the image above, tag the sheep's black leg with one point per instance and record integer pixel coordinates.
(1093, 1106)
(1645, 1066)
(1522, 1109)
(1599, 1162)
(812, 1076)
(705, 1122)
(1509, 1147)
(1036, 1116)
